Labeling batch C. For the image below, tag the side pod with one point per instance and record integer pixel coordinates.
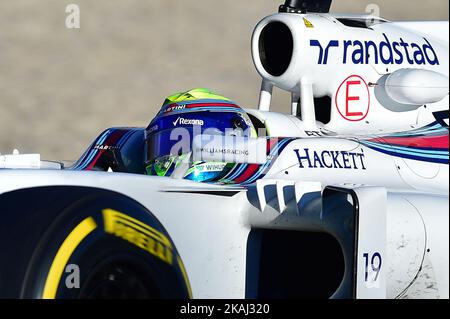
(329, 244)
(357, 219)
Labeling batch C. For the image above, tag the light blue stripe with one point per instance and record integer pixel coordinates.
(201, 109)
(103, 138)
(91, 153)
(427, 128)
(434, 129)
(124, 138)
(238, 172)
(407, 149)
(415, 150)
(95, 151)
(200, 101)
(206, 108)
(274, 151)
(79, 164)
(409, 153)
(265, 165)
(421, 130)
(88, 160)
(424, 133)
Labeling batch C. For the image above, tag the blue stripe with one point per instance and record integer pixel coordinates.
(125, 138)
(199, 101)
(272, 153)
(424, 133)
(405, 153)
(421, 129)
(279, 147)
(408, 150)
(425, 130)
(207, 108)
(122, 140)
(90, 154)
(95, 151)
(417, 158)
(201, 109)
(425, 150)
(237, 172)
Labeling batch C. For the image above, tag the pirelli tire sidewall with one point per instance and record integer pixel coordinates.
(104, 238)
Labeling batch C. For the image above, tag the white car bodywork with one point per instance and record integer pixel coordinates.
(403, 202)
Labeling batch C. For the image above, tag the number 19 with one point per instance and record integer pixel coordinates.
(375, 263)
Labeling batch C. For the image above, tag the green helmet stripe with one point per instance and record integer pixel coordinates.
(192, 95)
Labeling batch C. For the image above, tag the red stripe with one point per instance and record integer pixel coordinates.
(428, 142)
(271, 143)
(94, 161)
(251, 169)
(110, 141)
(211, 104)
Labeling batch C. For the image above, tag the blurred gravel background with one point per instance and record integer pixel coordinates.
(59, 87)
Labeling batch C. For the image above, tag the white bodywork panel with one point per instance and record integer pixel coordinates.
(438, 30)
(323, 54)
(402, 242)
(211, 232)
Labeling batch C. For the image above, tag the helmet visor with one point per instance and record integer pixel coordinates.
(175, 133)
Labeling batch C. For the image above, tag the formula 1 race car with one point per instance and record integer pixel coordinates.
(344, 197)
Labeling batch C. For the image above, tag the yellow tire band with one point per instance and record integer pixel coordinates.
(63, 255)
(185, 276)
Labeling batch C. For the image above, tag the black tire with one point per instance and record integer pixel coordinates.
(50, 235)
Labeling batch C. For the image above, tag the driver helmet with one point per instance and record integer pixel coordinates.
(183, 116)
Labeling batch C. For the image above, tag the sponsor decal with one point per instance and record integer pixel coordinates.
(229, 149)
(308, 23)
(152, 129)
(321, 133)
(138, 234)
(245, 118)
(106, 147)
(210, 167)
(313, 134)
(174, 107)
(384, 52)
(330, 159)
(224, 151)
(183, 121)
(353, 99)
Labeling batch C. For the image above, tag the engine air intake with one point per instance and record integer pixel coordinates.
(276, 46)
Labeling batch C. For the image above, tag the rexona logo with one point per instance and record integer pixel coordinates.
(330, 159)
(183, 121)
(385, 52)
